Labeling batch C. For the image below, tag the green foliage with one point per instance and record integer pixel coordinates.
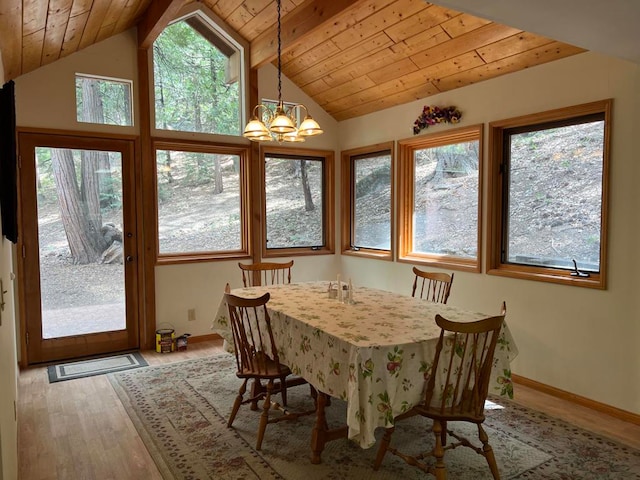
(164, 192)
(111, 193)
(198, 168)
(190, 90)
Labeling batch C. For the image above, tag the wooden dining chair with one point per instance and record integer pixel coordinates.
(257, 359)
(456, 391)
(265, 273)
(432, 286)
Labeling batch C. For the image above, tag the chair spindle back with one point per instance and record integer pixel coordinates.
(462, 366)
(432, 286)
(253, 337)
(266, 273)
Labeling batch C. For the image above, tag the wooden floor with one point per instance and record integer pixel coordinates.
(79, 430)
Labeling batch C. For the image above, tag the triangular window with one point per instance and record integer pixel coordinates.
(197, 78)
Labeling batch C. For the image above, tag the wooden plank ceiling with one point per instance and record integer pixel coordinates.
(352, 57)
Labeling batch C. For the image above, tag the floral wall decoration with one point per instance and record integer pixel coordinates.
(433, 115)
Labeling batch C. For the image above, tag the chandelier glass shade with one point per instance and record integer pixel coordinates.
(281, 124)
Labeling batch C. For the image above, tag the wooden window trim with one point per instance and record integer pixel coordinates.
(328, 161)
(495, 266)
(406, 150)
(245, 200)
(347, 202)
(221, 37)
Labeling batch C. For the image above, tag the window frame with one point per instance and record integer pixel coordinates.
(406, 190)
(244, 153)
(328, 201)
(219, 34)
(348, 157)
(497, 192)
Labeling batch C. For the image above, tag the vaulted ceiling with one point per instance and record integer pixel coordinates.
(352, 57)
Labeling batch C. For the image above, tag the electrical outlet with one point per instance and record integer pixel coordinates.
(192, 314)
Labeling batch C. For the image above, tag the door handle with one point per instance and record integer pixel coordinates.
(129, 258)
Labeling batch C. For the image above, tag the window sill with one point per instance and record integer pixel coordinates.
(454, 263)
(297, 252)
(596, 280)
(179, 258)
(385, 255)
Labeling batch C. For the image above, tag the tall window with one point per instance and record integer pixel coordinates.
(105, 101)
(197, 79)
(202, 211)
(202, 183)
(298, 201)
(439, 199)
(550, 176)
(367, 199)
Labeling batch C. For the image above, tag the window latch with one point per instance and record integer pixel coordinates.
(315, 247)
(354, 248)
(576, 272)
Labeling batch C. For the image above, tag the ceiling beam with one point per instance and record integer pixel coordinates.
(155, 19)
(296, 25)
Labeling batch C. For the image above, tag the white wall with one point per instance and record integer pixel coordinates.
(8, 363)
(8, 370)
(46, 97)
(580, 340)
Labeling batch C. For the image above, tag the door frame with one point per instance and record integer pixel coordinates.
(29, 290)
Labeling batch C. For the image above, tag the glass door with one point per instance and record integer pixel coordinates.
(79, 252)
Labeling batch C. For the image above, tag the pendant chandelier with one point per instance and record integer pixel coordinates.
(267, 125)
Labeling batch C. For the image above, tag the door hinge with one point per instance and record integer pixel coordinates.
(27, 337)
(24, 252)
(19, 161)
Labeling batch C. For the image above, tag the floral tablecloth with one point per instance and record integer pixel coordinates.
(373, 353)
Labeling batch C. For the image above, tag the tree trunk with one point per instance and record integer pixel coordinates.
(167, 164)
(308, 200)
(106, 192)
(167, 160)
(218, 187)
(201, 170)
(99, 170)
(90, 188)
(85, 243)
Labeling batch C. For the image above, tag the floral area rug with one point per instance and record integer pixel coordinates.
(181, 409)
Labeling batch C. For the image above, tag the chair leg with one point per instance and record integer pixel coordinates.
(237, 403)
(384, 445)
(440, 470)
(488, 452)
(256, 390)
(443, 434)
(264, 418)
(283, 390)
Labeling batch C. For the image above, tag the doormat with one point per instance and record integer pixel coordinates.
(95, 366)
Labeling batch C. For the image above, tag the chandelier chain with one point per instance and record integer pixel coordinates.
(279, 59)
(284, 126)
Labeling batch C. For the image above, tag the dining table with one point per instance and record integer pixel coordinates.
(372, 350)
